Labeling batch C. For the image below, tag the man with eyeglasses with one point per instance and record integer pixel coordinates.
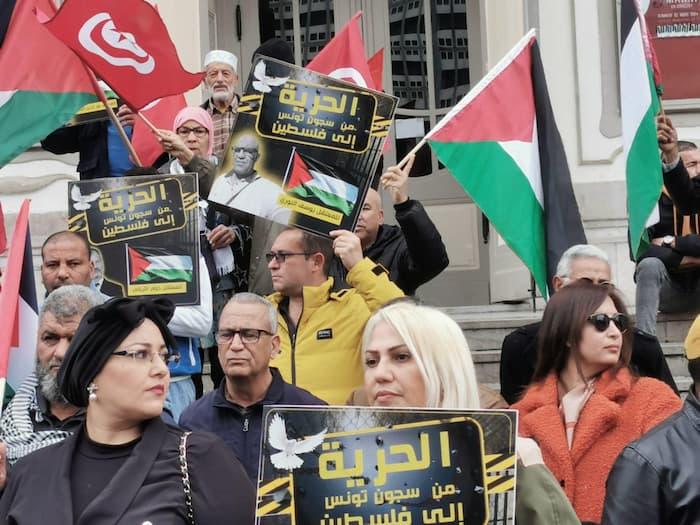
(220, 81)
(38, 414)
(188, 323)
(244, 189)
(320, 330)
(247, 340)
(519, 348)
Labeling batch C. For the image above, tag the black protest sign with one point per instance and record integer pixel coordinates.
(144, 234)
(304, 149)
(366, 466)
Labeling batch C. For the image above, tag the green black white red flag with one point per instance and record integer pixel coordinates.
(42, 83)
(502, 145)
(640, 104)
(18, 309)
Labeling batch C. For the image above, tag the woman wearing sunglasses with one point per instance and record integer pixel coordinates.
(585, 404)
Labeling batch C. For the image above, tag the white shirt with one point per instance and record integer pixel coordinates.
(258, 196)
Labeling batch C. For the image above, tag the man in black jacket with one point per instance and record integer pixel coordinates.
(668, 272)
(413, 252)
(247, 339)
(656, 479)
(519, 349)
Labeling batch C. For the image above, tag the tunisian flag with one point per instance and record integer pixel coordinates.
(127, 44)
(344, 56)
(161, 113)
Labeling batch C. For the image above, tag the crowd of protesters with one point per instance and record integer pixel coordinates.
(114, 425)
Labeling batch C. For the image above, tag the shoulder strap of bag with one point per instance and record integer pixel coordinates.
(186, 478)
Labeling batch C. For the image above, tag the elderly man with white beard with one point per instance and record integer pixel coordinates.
(38, 414)
(220, 80)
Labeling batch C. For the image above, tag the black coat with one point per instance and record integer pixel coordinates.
(89, 140)
(412, 253)
(148, 486)
(241, 428)
(656, 479)
(519, 356)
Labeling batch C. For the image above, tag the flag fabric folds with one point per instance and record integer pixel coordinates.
(161, 113)
(344, 56)
(307, 177)
(640, 104)
(42, 83)
(18, 309)
(127, 44)
(150, 264)
(502, 145)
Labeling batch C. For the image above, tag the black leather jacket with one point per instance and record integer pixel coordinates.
(656, 479)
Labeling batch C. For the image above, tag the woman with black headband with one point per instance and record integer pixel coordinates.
(125, 466)
(585, 404)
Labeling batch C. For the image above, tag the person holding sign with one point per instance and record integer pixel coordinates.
(190, 144)
(416, 356)
(585, 405)
(413, 252)
(244, 189)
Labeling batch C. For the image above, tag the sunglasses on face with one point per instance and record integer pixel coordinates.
(601, 321)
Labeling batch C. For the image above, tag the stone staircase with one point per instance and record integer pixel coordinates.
(486, 326)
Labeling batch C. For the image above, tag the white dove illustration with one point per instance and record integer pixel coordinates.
(287, 458)
(80, 201)
(263, 83)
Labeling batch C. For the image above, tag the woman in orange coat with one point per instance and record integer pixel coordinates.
(585, 404)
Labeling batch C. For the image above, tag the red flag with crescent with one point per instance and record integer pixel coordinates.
(344, 56)
(127, 44)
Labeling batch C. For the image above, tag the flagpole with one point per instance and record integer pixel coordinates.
(147, 122)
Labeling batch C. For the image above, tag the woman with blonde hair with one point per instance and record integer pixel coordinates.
(417, 356)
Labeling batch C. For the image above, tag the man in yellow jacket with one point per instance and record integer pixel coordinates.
(320, 330)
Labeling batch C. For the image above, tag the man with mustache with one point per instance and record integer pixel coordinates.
(38, 415)
(220, 81)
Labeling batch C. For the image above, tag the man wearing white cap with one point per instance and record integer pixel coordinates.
(221, 79)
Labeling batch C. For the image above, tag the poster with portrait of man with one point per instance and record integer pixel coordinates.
(143, 233)
(371, 466)
(304, 149)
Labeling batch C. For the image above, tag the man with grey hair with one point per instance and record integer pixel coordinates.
(519, 348)
(220, 81)
(247, 339)
(38, 414)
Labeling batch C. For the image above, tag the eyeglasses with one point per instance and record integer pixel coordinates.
(247, 335)
(281, 256)
(251, 152)
(198, 132)
(144, 355)
(601, 321)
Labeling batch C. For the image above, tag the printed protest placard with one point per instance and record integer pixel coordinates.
(144, 234)
(368, 466)
(304, 149)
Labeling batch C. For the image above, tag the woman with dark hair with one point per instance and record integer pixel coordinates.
(585, 404)
(124, 465)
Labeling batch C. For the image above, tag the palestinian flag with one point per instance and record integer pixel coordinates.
(151, 264)
(18, 309)
(502, 145)
(640, 104)
(42, 84)
(307, 178)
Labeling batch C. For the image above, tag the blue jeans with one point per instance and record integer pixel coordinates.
(180, 396)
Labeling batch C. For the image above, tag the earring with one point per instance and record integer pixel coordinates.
(92, 389)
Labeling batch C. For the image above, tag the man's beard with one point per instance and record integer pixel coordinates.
(221, 97)
(48, 383)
